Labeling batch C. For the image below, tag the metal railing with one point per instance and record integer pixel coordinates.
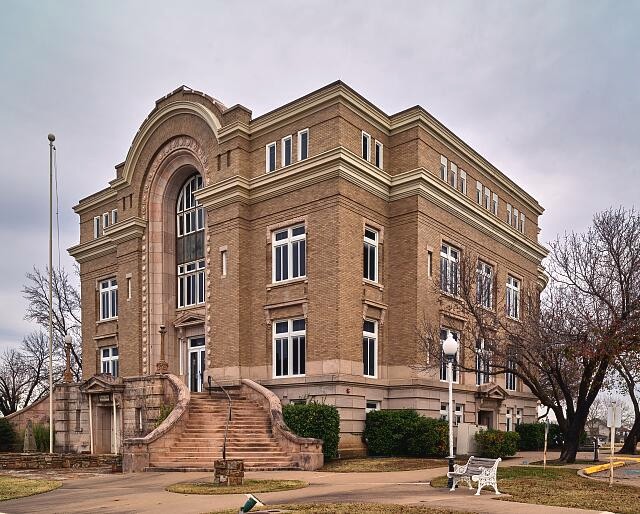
(226, 428)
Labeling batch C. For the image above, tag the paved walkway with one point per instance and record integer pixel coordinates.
(144, 493)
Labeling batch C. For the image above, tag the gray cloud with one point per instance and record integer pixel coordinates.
(547, 91)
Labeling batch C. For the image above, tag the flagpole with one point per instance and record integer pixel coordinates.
(51, 138)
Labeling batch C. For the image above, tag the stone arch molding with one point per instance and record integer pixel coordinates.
(174, 145)
(154, 121)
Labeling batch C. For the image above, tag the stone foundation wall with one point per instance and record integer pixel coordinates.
(59, 461)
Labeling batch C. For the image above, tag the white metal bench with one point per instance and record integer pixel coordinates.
(478, 470)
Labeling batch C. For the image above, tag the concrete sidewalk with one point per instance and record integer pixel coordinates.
(144, 493)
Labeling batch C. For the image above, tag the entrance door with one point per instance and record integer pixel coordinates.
(196, 363)
(104, 437)
(485, 417)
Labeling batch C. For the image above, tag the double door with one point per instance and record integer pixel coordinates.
(196, 364)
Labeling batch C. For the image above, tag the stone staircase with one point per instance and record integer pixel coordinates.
(200, 443)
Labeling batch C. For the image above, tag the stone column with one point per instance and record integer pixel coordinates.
(162, 366)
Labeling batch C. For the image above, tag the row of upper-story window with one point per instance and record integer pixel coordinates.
(286, 151)
(485, 281)
(457, 179)
(100, 223)
(378, 150)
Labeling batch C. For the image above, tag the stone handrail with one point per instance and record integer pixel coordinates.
(306, 451)
(136, 449)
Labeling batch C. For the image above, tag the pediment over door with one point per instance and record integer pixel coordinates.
(492, 392)
(102, 383)
(188, 319)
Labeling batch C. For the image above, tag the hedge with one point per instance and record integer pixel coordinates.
(405, 433)
(315, 420)
(495, 443)
(532, 436)
(7, 436)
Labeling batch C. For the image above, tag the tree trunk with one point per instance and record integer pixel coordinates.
(630, 443)
(572, 435)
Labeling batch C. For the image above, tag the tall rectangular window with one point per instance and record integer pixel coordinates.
(429, 263)
(510, 376)
(518, 416)
(223, 263)
(370, 348)
(449, 264)
(463, 182)
(513, 297)
(287, 150)
(108, 299)
(487, 198)
(515, 217)
(303, 144)
(444, 333)
(105, 221)
(370, 254)
(289, 255)
(443, 168)
(483, 362)
(109, 360)
(379, 155)
(96, 227)
(484, 284)
(114, 216)
(494, 205)
(509, 213)
(509, 420)
(453, 176)
(522, 222)
(458, 416)
(479, 192)
(191, 283)
(271, 157)
(289, 347)
(366, 146)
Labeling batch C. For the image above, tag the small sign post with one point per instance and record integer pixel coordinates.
(614, 420)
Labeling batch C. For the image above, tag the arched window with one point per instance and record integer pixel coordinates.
(190, 244)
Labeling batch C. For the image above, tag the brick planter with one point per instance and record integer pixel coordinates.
(229, 472)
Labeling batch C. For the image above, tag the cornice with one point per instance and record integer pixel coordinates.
(95, 200)
(343, 164)
(125, 230)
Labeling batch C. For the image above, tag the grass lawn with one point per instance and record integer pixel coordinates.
(13, 487)
(561, 488)
(355, 508)
(376, 464)
(249, 486)
(556, 462)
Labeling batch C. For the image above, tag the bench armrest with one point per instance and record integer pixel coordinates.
(458, 468)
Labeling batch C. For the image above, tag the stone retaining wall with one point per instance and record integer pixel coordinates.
(59, 461)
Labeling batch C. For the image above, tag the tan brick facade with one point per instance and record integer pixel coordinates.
(335, 194)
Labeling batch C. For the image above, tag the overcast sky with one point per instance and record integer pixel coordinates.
(549, 92)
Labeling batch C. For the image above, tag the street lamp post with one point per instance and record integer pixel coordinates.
(67, 377)
(450, 350)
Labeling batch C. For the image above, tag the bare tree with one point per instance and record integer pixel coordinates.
(564, 341)
(628, 368)
(24, 373)
(66, 311)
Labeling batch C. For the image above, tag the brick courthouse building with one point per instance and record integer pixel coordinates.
(299, 250)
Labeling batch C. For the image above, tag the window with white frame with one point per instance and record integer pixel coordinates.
(463, 182)
(515, 218)
(370, 254)
(289, 347)
(287, 150)
(366, 146)
(223, 263)
(371, 405)
(443, 168)
(114, 216)
(458, 416)
(487, 198)
(108, 299)
(96, 227)
(449, 269)
(289, 253)
(270, 157)
(191, 283)
(370, 348)
(484, 284)
(494, 206)
(513, 297)
(510, 376)
(105, 221)
(518, 417)
(303, 144)
(509, 420)
(478, 192)
(522, 222)
(189, 213)
(483, 363)
(109, 360)
(509, 213)
(379, 155)
(453, 176)
(444, 333)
